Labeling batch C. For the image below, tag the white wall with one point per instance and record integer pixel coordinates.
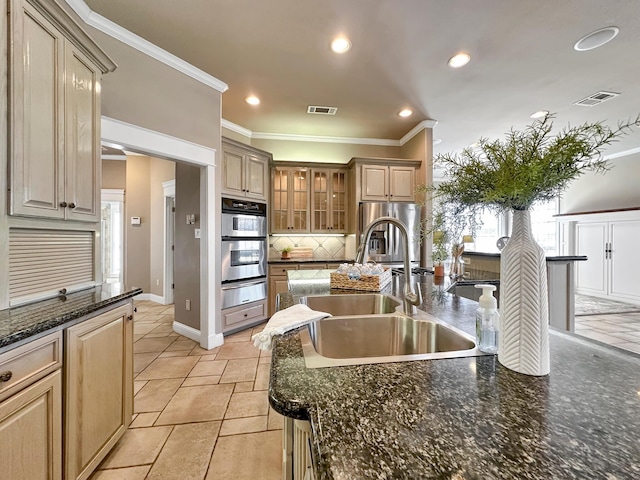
(617, 188)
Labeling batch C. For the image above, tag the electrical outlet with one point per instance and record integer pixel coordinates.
(188, 305)
(157, 282)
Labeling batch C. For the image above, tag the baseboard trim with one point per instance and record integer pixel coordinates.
(187, 331)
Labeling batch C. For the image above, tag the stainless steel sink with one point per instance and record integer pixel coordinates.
(351, 304)
(366, 339)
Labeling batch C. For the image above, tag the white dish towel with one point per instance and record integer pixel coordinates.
(285, 320)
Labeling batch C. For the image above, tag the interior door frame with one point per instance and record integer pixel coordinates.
(156, 144)
(169, 188)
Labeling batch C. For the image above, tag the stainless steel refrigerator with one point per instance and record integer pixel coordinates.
(385, 245)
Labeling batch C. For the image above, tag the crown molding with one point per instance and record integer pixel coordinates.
(328, 139)
(236, 128)
(113, 157)
(417, 129)
(324, 139)
(119, 33)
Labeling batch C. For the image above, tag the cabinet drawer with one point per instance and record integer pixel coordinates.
(256, 312)
(280, 270)
(29, 363)
(313, 266)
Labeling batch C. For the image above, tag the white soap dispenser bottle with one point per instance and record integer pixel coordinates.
(487, 319)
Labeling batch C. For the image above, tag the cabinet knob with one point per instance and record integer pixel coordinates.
(72, 205)
(6, 376)
(130, 317)
(63, 291)
(63, 204)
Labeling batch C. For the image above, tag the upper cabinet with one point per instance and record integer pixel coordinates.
(290, 200)
(381, 183)
(329, 207)
(54, 92)
(245, 171)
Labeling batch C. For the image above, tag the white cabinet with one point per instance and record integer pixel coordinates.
(54, 144)
(245, 171)
(387, 183)
(613, 260)
(98, 388)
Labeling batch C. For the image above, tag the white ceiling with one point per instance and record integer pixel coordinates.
(522, 61)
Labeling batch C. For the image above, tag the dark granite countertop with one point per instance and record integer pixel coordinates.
(23, 323)
(308, 260)
(554, 258)
(466, 418)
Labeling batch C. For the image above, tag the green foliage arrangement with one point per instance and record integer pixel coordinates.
(527, 167)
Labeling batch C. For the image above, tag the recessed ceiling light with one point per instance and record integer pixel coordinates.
(539, 114)
(459, 60)
(252, 100)
(341, 45)
(596, 39)
(405, 113)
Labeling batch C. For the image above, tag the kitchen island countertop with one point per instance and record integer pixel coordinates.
(466, 418)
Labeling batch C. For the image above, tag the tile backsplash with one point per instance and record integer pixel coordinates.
(324, 247)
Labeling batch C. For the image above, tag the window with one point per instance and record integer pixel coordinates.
(545, 227)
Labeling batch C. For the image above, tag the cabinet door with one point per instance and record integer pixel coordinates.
(256, 177)
(375, 183)
(37, 114)
(82, 137)
(339, 205)
(320, 200)
(591, 275)
(299, 200)
(624, 262)
(232, 162)
(31, 432)
(98, 389)
(280, 201)
(402, 184)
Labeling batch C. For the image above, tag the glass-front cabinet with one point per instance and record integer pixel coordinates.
(329, 201)
(290, 202)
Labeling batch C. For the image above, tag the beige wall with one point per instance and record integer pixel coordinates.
(160, 171)
(137, 237)
(617, 188)
(144, 197)
(114, 174)
(322, 152)
(187, 258)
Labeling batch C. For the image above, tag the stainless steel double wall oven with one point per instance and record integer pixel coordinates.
(244, 252)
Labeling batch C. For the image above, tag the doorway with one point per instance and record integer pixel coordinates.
(112, 228)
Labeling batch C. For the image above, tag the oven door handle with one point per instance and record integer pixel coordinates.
(240, 285)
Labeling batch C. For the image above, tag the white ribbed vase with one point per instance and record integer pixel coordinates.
(524, 306)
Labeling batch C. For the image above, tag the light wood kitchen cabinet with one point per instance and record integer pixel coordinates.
(329, 201)
(31, 410)
(54, 113)
(290, 200)
(388, 183)
(278, 283)
(98, 388)
(245, 171)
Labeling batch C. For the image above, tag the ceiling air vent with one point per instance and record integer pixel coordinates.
(321, 110)
(596, 99)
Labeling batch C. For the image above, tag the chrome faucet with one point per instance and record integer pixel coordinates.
(410, 298)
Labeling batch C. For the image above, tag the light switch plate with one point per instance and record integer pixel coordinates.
(197, 232)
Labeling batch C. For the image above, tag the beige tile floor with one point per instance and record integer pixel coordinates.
(198, 414)
(621, 330)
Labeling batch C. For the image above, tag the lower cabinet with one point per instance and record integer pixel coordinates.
(31, 431)
(98, 388)
(297, 463)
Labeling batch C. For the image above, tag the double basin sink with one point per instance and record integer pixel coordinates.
(367, 328)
